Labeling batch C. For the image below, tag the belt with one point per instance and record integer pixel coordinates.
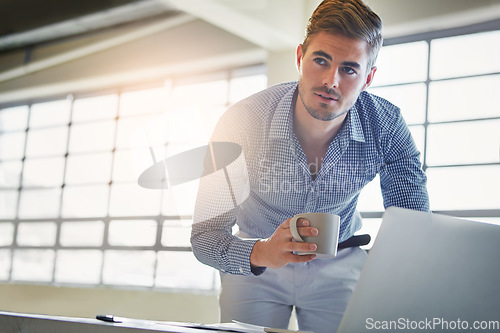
(358, 240)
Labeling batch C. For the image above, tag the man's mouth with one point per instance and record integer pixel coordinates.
(327, 96)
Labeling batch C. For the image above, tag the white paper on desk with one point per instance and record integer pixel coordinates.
(250, 328)
(240, 327)
(232, 327)
(235, 326)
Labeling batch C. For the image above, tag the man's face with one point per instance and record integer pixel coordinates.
(333, 72)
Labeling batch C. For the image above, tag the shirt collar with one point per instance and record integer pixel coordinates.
(355, 127)
(282, 121)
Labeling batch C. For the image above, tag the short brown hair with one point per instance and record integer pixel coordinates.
(351, 18)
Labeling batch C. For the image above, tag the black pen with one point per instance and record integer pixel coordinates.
(108, 318)
(115, 319)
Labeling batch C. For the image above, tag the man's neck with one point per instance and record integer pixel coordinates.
(314, 135)
(313, 132)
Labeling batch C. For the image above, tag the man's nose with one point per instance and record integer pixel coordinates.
(332, 78)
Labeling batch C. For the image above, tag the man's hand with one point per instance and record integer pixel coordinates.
(277, 250)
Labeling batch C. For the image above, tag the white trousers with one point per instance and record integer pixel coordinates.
(319, 290)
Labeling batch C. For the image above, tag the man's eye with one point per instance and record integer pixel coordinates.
(320, 61)
(349, 70)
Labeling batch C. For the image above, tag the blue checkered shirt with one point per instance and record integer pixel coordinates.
(373, 140)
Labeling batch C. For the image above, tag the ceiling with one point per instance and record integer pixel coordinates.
(35, 22)
(19, 17)
(28, 22)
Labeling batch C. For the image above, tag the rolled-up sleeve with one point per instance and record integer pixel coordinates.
(223, 187)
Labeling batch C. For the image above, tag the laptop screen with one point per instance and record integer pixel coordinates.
(428, 272)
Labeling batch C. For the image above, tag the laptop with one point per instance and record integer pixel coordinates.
(428, 273)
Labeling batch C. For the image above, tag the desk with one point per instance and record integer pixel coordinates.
(33, 323)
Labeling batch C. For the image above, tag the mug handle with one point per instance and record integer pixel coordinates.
(293, 228)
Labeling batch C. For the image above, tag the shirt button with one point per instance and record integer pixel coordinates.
(241, 270)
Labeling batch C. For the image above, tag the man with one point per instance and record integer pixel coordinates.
(308, 147)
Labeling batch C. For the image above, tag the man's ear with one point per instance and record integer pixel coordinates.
(369, 77)
(299, 57)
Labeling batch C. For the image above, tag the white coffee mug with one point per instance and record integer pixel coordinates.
(327, 239)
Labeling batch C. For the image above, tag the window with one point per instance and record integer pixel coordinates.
(446, 89)
(71, 210)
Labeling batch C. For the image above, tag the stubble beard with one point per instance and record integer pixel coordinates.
(323, 113)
